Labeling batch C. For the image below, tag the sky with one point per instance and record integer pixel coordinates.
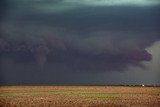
(80, 42)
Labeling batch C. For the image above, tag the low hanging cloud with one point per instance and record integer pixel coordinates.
(95, 51)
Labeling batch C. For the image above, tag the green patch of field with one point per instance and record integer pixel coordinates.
(38, 92)
(101, 97)
(51, 92)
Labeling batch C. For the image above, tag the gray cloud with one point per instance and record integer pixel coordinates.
(84, 39)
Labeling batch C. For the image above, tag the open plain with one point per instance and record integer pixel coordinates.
(79, 96)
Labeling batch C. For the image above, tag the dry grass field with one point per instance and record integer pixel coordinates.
(79, 96)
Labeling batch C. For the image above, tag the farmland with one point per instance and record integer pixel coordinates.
(79, 96)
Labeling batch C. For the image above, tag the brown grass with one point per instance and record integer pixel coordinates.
(79, 96)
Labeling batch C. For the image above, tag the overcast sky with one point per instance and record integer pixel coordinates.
(80, 42)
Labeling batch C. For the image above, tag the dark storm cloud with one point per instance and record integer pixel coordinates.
(116, 18)
(61, 37)
(3, 8)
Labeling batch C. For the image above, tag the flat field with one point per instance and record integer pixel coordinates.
(79, 96)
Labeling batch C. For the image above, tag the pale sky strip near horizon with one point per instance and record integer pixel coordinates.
(115, 2)
(55, 6)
